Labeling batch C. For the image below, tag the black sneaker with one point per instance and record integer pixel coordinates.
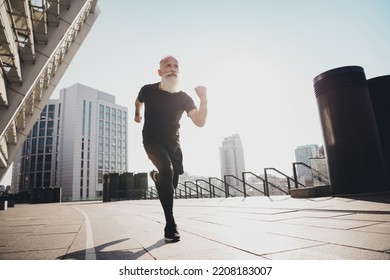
(171, 234)
(154, 175)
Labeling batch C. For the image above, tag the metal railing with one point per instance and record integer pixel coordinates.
(288, 180)
(222, 191)
(316, 175)
(264, 191)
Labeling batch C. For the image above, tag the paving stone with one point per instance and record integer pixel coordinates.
(329, 252)
(251, 228)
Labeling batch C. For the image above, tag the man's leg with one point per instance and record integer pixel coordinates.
(160, 158)
(177, 163)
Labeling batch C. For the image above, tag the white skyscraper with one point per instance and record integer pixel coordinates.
(232, 159)
(79, 137)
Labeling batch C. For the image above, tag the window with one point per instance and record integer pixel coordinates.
(33, 165)
(101, 112)
(101, 128)
(107, 145)
(89, 120)
(48, 162)
(113, 132)
(51, 112)
(100, 160)
(107, 161)
(100, 145)
(40, 163)
(39, 180)
(49, 144)
(124, 133)
(100, 177)
(124, 163)
(119, 131)
(34, 146)
(83, 121)
(119, 147)
(124, 117)
(119, 120)
(41, 145)
(107, 130)
(113, 146)
(50, 128)
(31, 183)
(35, 130)
(113, 115)
(107, 113)
(46, 179)
(113, 162)
(42, 128)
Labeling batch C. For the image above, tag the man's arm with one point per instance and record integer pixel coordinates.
(138, 108)
(199, 116)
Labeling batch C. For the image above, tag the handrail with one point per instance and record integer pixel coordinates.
(177, 189)
(227, 185)
(288, 178)
(267, 184)
(265, 192)
(211, 187)
(196, 190)
(199, 188)
(216, 178)
(185, 189)
(321, 177)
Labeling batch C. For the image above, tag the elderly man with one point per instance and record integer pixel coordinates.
(165, 104)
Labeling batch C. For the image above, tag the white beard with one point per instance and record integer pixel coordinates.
(170, 83)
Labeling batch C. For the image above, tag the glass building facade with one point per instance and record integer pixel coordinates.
(78, 138)
(38, 162)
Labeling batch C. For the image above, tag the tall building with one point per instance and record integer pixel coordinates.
(77, 139)
(306, 154)
(232, 161)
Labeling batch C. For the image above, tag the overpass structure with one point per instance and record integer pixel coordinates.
(38, 40)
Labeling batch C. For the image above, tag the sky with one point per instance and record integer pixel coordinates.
(257, 59)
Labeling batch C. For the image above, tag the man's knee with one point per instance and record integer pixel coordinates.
(166, 169)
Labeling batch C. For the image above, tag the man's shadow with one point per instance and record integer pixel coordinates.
(116, 254)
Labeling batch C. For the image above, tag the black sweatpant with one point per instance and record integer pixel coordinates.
(169, 163)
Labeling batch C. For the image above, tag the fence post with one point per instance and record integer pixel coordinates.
(244, 183)
(266, 190)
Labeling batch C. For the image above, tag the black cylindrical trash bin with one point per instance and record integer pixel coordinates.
(141, 182)
(128, 184)
(379, 88)
(352, 144)
(114, 186)
(105, 188)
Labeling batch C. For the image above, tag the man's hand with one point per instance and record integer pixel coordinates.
(201, 92)
(137, 118)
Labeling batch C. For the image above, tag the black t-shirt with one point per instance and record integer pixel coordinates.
(163, 111)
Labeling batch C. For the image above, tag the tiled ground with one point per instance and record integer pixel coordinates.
(280, 228)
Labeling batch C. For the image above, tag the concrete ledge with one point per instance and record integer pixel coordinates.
(316, 191)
